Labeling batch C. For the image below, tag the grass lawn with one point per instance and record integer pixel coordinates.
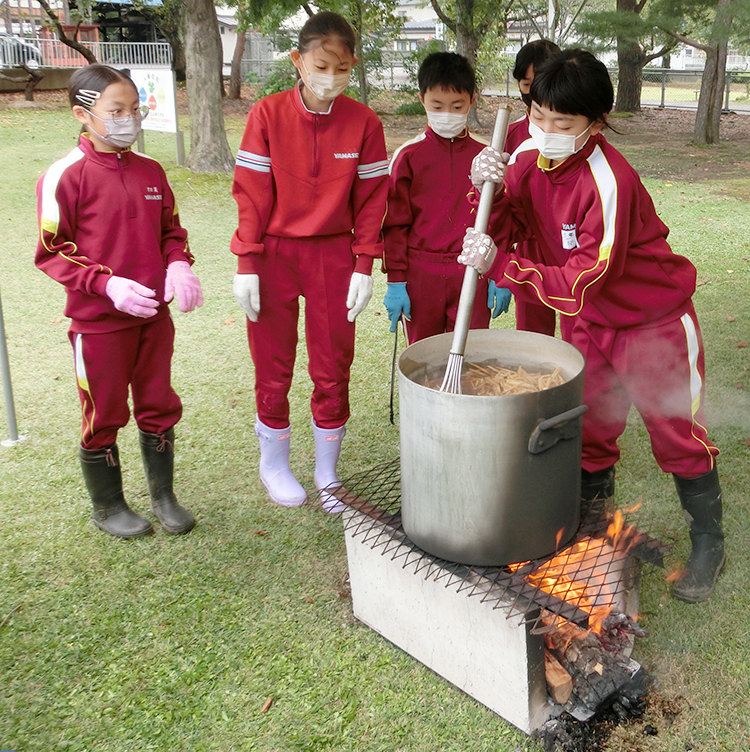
(177, 643)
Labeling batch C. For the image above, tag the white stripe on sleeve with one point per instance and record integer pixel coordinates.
(373, 170)
(256, 162)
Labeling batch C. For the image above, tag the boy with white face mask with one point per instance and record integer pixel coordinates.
(428, 212)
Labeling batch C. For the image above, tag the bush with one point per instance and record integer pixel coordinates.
(283, 76)
(410, 108)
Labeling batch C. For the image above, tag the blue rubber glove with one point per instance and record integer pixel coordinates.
(396, 302)
(498, 299)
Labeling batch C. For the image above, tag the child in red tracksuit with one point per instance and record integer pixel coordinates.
(530, 317)
(310, 185)
(428, 212)
(110, 233)
(604, 262)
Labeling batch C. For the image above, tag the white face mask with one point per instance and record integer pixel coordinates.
(324, 85)
(119, 133)
(555, 145)
(448, 124)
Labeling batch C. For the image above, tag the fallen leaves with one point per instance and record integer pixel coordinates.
(230, 320)
(267, 705)
(740, 345)
(746, 442)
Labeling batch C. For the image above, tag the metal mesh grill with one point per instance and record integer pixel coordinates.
(601, 578)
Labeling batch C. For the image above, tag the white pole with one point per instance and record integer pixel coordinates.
(10, 409)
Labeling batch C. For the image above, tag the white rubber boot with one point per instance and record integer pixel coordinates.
(282, 486)
(327, 450)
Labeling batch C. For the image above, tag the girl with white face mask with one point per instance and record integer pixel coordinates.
(110, 233)
(310, 186)
(602, 260)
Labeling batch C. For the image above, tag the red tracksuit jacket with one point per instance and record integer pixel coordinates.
(427, 206)
(603, 251)
(303, 174)
(518, 132)
(100, 214)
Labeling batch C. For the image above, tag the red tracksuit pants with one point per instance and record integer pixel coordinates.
(318, 269)
(433, 283)
(660, 370)
(109, 364)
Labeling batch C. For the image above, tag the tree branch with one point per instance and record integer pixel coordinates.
(686, 40)
(63, 37)
(449, 22)
(665, 50)
(531, 18)
(565, 33)
(310, 12)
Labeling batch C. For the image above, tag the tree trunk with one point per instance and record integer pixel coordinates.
(466, 40)
(179, 66)
(467, 44)
(34, 78)
(630, 62)
(209, 149)
(708, 117)
(361, 69)
(235, 79)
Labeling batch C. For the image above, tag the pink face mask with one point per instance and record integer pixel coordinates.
(121, 132)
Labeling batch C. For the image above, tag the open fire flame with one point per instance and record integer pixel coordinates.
(588, 574)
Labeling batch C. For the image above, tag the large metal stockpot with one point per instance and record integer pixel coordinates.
(489, 481)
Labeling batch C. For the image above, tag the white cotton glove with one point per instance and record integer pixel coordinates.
(246, 289)
(360, 292)
(490, 165)
(182, 282)
(478, 251)
(131, 297)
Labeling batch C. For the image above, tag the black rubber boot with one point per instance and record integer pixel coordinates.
(598, 493)
(101, 471)
(701, 500)
(157, 450)
(598, 485)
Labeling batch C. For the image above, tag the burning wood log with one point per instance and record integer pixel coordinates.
(559, 681)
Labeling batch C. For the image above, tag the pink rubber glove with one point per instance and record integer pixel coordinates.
(131, 297)
(182, 282)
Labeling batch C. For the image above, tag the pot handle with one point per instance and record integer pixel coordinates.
(549, 432)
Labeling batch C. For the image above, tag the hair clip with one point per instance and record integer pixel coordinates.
(88, 96)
